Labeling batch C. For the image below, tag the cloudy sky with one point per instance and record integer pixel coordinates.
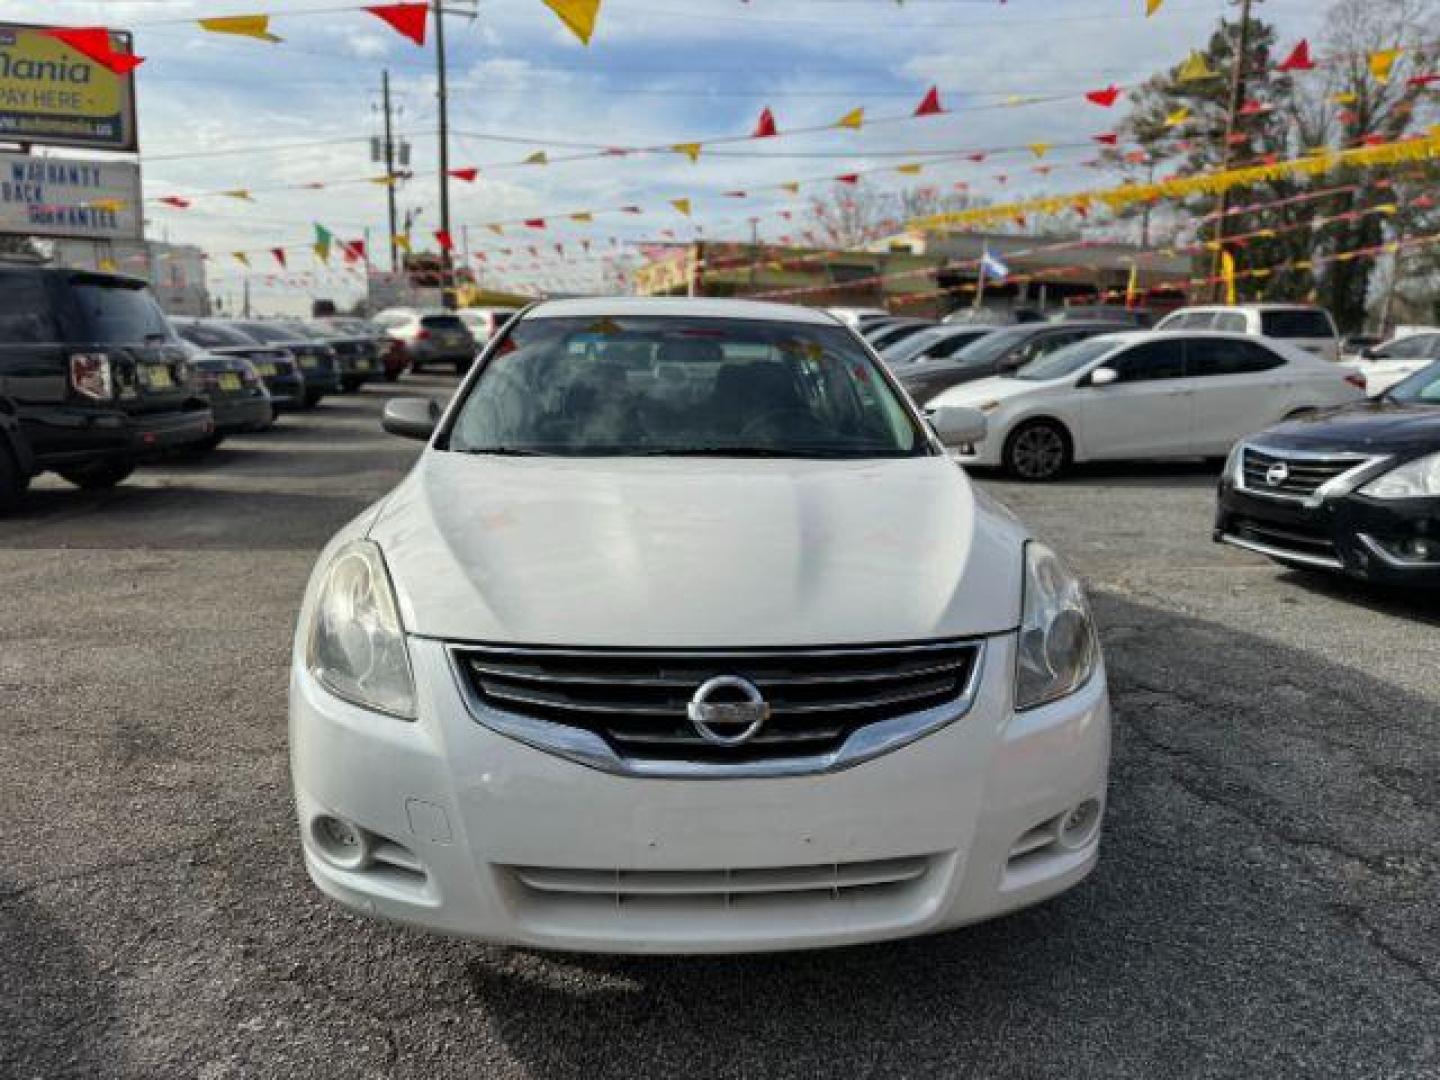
(219, 112)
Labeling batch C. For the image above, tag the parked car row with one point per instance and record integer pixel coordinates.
(94, 379)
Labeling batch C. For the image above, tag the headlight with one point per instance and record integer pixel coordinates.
(1234, 465)
(357, 645)
(1418, 479)
(1057, 651)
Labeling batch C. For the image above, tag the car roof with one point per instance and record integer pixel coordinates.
(1248, 307)
(679, 307)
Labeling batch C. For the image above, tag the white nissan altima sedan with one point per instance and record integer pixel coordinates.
(686, 635)
(1157, 394)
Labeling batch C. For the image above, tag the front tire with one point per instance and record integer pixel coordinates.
(1037, 451)
(313, 398)
(97, 475)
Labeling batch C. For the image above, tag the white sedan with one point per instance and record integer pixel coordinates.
(1395, 361)
(1144, 395)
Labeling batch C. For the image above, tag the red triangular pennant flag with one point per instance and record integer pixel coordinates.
(93, 42)
(930, 105)
(849, 178)
(354, 250)
(175, 201)
(765, 127)
(535, 223)
(977, 158)
(444, 240)
(279, 254)
(1104, 98)
(1253, 108)
(1422, 81)
(735, 194)
(1299, 59)
(468, 175)
(407, 19)
(1110, 138)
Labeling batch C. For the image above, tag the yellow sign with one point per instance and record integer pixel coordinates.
(50, 94)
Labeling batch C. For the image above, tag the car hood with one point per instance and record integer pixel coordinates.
(697, 553)
(1387, 426)
(994, 388)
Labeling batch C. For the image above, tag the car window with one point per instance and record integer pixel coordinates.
(442, 322)
(1302, 323)
(1189, 320)
(723, 387)
(1045, 344)
(1422, 388)
(24, 310)
(1227, 356)
(1232, 322)
(1150, 362)
(118, 313)
(211, 335)
(1416, 347)
(952, 344)
(912, 348)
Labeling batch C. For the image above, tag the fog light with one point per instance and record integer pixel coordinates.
(1419, 550)
(341, 842)
(1080, 825)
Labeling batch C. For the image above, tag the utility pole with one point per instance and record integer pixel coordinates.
(447, 277)
(390, 170)
(1232, 123)
(754, 252)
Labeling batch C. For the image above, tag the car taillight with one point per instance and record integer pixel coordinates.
(422, 335)
(91, 375)
(1357, 380)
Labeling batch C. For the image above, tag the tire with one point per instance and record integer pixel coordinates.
(392, 375)
(1038, 451)
(349, 386)
(97, 475)
(313, 398)
(12, 482)
(461, 367)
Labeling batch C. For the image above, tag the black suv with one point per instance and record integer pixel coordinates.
(93, 374)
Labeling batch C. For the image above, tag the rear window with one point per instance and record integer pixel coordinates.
(24, 310)
(271, 335)
(1296, 324)
(211, 336)
(442, 322)
(116, 313)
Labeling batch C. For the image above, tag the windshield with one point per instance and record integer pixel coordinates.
(118, 313)
(992, 347)
(680, 386)
(1066, 361)
(1422, 388)
(268, 333)
(1299, 323)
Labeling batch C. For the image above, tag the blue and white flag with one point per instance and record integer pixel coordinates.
(991, 267)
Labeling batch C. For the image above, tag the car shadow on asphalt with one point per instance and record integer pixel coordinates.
(1264, 905)
(1188, 474)
(1418, 605)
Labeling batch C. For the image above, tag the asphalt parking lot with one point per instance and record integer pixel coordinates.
(1268, 901)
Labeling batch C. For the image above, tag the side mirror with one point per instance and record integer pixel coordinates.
(411, 418)
(959, 426)
(1103, 376)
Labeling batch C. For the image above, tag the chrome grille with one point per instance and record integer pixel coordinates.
(1303, 474)
(636, 701)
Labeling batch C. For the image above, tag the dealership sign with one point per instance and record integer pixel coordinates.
(50, 94)
(74, 197)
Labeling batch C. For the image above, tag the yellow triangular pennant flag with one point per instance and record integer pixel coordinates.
(683, 205)
(239, 193)
(1152, 6)
(108, 265)
(1039, 149)
(251, 26)
(791, 186)
(854, 120)
(1178, 117)
(496, 229)
(383, 181)
(1349, 97)
(402, 241)
(322, 252)
(583, 215)
(241, 258)
(689, 149)
(1195, 69)
(909, 170)
(537, 158)
(1382, 63)
(578, 15)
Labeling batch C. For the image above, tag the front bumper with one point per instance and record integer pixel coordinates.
(1351, 534)
(468, 832)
